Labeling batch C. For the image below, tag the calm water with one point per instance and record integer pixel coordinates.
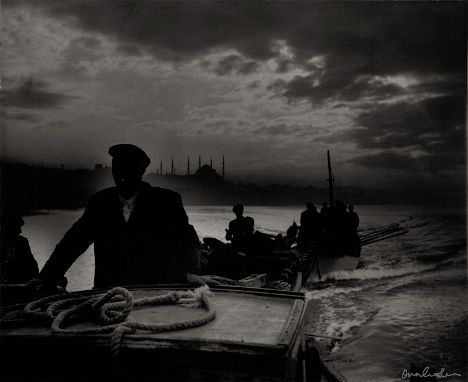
(407, 301)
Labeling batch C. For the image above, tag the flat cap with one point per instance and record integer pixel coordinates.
(129, 152)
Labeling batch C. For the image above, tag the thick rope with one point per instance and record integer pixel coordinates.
(113, 308)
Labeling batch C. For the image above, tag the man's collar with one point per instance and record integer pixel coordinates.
(131, 199)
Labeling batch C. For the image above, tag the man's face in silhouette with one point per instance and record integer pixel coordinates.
(127, 175)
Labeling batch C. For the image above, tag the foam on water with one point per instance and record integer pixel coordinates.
(376, 273)
(329, 292)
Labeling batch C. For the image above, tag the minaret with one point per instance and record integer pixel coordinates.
(199, 161)
(160, 168)
(188, 166)
(223, 167)
(172, 165)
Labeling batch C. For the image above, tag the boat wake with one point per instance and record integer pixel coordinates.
(378, 273)
(329, 292)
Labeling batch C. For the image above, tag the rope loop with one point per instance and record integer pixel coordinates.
(113, 308)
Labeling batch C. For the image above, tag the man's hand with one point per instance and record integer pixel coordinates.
(35, 283)
(43, 287)
(211, 280)
(201, 280)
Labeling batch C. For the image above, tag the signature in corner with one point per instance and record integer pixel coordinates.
(426, 374)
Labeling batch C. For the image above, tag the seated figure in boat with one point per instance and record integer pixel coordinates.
(141, 233)
(241, 229)
(309, 231)
(17, 263)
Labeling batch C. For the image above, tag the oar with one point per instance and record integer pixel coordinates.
(379, 233)
(389, 232)
(383, 238)
(384, 233)
(381, 230)
(384, 227)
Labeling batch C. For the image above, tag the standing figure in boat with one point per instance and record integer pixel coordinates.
(353, 219)
(241, 229)
(339, 220)
(353, 243)
(325, 217)
(141, 233)
(309, 231)
(17, 263)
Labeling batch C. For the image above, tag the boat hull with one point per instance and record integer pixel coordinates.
(323, 265)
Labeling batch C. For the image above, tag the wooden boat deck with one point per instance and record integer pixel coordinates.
(256, 334)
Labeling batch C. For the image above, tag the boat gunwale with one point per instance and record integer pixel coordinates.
(225, 288)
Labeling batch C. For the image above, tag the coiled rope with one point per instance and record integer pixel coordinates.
(113, 308)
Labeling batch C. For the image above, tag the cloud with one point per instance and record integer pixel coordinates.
(34, 94)
(284, 65)
(248, 67)
(228, 64)
(79, 53)
(319, 88)
(406, 123)
(24, 117)
(433, 129)
(370, 37)
(129, 49)
(235, 63)
(281, 129)
(355, 41)
(405, 162)
(82, 49)
(254, 85)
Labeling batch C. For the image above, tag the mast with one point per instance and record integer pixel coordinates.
(330, 180)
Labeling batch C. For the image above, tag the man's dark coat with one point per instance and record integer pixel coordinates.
(154, 246)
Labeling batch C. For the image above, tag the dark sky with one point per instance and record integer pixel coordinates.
(271, 85)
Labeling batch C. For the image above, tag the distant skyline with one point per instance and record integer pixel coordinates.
(271, 85)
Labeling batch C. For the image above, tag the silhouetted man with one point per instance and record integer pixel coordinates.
(240, 229)
(353, 220)
(141, 233)
(325, 216)
(310, 225)
(17, 263)
(339, 220)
